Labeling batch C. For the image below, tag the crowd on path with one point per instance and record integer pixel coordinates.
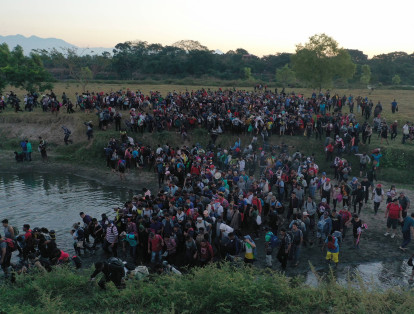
(214, 203)
(260, 113)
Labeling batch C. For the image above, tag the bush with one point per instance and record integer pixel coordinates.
(217, 288)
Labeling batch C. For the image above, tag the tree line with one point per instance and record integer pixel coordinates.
(318, 63)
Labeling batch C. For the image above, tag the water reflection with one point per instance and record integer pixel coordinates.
(54, 201)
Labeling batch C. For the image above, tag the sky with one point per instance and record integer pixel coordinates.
(262, 27)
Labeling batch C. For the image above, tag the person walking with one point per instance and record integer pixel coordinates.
(332, 253)
(377, 197)
(111, 239)
(393, 214)
(67, 133)
(284, 249)
(407, 231)
(28, 151)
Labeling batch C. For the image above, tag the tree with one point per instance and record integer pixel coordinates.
(366, 74)
(320, 60)
(4, 61)
(247, 73)
(285, 75)
(26, 72)
(396, 79)
(76, 65)
(85, 76)
(189, 45)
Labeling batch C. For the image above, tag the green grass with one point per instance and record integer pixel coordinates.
(214, 289)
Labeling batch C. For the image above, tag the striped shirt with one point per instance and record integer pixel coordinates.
(111, 234)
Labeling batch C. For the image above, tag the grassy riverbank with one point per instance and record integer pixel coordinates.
(208, 290)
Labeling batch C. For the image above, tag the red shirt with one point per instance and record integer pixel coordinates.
(394, 210)
(155, 243)
(258, 204)
(28, 235)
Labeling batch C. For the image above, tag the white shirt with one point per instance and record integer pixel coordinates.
(377, 198)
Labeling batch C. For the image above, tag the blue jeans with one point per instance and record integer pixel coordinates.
(155, 257)
(406, 238)
(296, 254)
(312, 190)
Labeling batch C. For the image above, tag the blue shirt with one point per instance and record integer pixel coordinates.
(130, 238)
(408, 223)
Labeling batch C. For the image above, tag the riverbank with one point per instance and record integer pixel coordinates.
(375, 247)
(213, 289)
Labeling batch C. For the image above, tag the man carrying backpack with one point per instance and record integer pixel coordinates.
(233, 247)
(333, 249)
(5, 254)
(285, 245)
(67, 133)
(271, 242)
(9, 231)
(324, 227)
(297, 240)
(113, 270)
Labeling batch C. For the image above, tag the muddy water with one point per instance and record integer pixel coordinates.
(375, 275)
(54, 201)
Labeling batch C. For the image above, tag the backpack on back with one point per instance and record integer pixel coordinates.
(321, 225)
(274, 241)
(16, 231)
(331, 244)
(115, 262)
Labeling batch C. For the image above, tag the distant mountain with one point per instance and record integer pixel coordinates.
(34, 42)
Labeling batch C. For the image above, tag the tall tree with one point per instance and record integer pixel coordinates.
(320, 60)
(366, 74)
(4, 61)
(285, 75)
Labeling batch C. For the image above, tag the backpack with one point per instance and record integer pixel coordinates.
(321, 225)
(274, 241)
(301, 225)
(331, 244)
(115, 262)
(11, 244)
(16, 231)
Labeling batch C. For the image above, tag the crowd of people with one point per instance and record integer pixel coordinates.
(261, 113)
(217, 203)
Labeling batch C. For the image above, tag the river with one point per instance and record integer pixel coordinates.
(54, 201)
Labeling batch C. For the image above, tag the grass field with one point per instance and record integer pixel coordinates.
(213, 289)
(397, 163)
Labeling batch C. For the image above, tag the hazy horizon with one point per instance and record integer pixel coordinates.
(261, 27)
